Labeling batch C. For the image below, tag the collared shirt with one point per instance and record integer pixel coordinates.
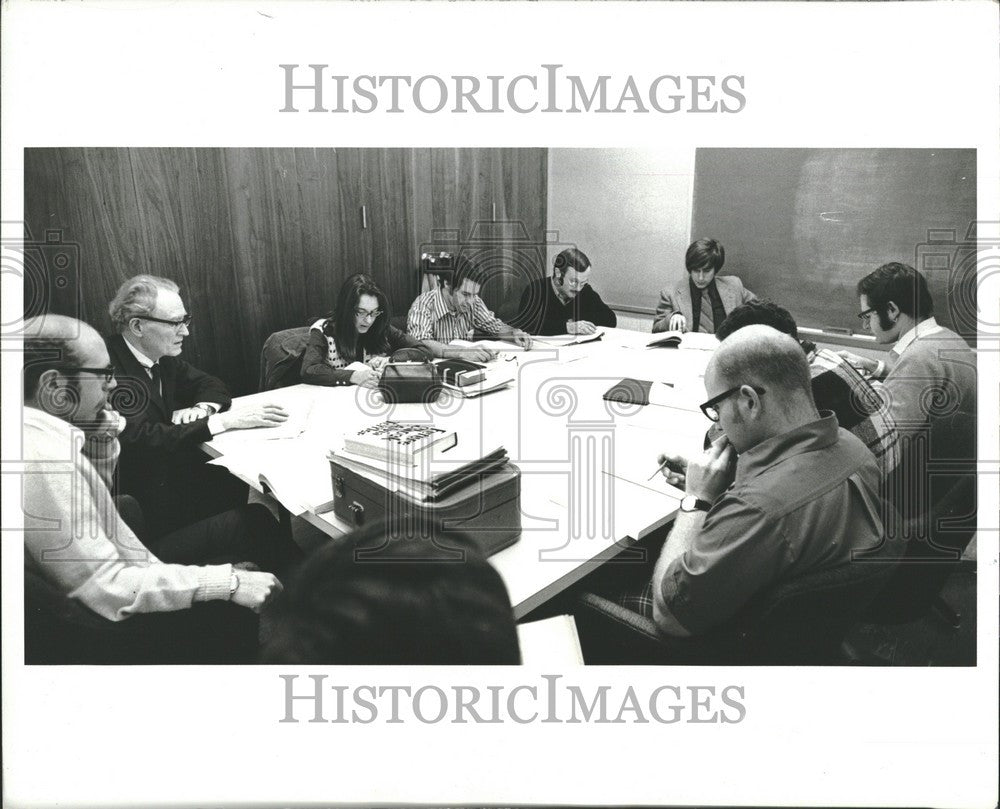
(430, 319)
(800, 502)
(74, 537)
(924, 328)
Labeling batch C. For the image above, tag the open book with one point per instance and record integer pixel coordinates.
(567, 339)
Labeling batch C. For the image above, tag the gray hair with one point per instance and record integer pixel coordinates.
(137, 297)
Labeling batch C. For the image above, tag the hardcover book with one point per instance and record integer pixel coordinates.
(400, 443)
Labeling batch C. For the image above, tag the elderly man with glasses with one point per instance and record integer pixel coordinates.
(170, 407)
(783, 493)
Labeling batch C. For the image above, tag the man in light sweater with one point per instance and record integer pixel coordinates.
(929, 382)
(931, 371)
(74, 537)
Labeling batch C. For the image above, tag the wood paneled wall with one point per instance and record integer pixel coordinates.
(261, 239)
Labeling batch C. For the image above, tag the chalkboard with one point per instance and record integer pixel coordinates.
(803, 226)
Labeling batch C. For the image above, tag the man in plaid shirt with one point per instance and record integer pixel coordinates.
(836, 384)
(453, 310)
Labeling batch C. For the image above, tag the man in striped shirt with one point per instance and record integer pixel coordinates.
(453, 310)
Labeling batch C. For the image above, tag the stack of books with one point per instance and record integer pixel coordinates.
(414, 459)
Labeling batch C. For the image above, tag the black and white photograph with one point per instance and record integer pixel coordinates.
(378, 401)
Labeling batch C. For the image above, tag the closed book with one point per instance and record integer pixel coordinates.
(461, 372)
(400, 443)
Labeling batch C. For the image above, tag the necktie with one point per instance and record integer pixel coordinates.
(154, 373)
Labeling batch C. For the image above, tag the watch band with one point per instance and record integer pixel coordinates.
(692, 503)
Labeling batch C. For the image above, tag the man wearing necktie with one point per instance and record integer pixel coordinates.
(170, 408)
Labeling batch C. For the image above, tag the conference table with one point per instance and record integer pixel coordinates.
(588, 488)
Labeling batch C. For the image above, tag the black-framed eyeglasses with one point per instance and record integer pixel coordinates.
(108, 373)
(711, 407)
(184, 321)
(373, 314)
(866, 315)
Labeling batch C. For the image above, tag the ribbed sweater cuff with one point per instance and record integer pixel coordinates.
(213, 583)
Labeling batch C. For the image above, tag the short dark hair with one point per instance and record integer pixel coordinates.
(467, 269)
(705, 254)
(408, 602)
(571, 259)
(758, 313)
(902, 285)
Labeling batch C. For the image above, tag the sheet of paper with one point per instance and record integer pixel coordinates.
(550, 642)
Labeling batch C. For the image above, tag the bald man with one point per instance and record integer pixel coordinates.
(783, 493)
(75, 538)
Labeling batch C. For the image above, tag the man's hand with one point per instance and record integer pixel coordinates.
(709, 475)
(255, 589)
(366, 377)
(475, 354)
(246, 418)
(522, 338)
(189, 414)
(580, 327)
(673, 468)
(862, 364)
(677, 322)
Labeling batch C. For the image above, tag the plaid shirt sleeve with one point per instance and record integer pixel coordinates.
(484, 320)
(876, 428)
(420, 320)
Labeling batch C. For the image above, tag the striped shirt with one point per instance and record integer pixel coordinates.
(430, 319)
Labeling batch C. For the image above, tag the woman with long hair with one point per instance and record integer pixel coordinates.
(354, 345)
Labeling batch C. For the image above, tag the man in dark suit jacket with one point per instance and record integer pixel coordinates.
(565, 303)
(170, 408)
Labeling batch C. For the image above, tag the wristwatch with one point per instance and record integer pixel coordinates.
(234, 585)
(692, 503)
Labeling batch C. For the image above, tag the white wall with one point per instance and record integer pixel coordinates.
(629, 210)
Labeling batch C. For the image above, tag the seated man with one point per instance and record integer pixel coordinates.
(400, 605)
(836, 384)
(170, 408)
(565, 303)
(931, 370)
(929, 384)
(74, 536)
(453, 310)
(802, 496)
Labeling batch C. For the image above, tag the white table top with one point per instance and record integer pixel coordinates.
(584, 461)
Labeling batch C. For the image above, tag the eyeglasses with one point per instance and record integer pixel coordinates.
(184, 321)
(364, 313)
(866, 315)
(711, 407)
(108, 373)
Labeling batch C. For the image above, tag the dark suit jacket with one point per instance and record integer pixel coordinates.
(153, 448)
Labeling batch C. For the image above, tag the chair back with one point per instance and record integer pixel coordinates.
(799, 622)
(933, 532)
(281, 358)
(804, 621)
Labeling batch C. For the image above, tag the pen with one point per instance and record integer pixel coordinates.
(659, 469)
